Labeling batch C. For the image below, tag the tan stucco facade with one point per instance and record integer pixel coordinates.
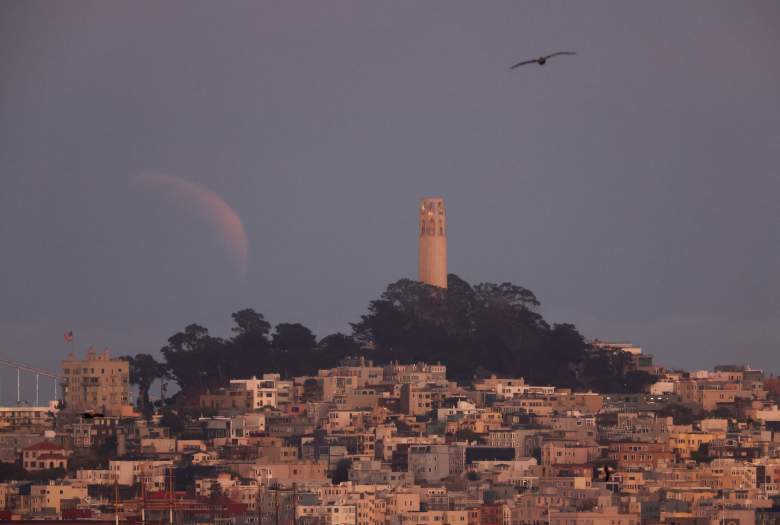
(433, 242)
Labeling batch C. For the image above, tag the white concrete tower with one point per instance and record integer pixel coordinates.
(433, 242)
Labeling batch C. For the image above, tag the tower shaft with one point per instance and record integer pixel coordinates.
(432, 262)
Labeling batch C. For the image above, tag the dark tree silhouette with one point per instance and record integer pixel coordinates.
(494, 327)
(293, 346)
(335, 347)
(312, 390)
(680, 414)
(249, 350)
(144, 370)
(341, 473)
(473, 329)
(250, 323)
(195, 360)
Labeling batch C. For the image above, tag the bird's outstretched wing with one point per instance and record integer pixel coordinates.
(524, 63)
(561, 53)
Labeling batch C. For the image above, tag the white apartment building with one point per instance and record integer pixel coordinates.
(268, 390)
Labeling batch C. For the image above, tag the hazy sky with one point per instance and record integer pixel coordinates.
(633, 187)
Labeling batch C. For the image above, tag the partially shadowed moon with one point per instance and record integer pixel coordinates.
(210, 207)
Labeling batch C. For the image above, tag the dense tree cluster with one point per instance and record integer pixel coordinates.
(474, 330)
(483, 328)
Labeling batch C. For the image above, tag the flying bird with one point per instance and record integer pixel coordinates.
(542, 60)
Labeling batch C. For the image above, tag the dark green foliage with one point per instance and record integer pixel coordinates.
(468, 435)
(293, 337)
(312, 390)
(15, 472)
(293, 346)
(216, 490)
(85, 459)
(175, 422)
(478, 329)
(11, 471)
(46, 475)
(639, 381)
(95, 458)
(250, 324)
(144, 370)
(722, 412)
(474, 330)
(106, 450)
(489, 497)
(341, 473)
(681, 414)
(489, 325)
(702, 455)
(335, 347)
(608, 371)
(402, 426)
(197, 361)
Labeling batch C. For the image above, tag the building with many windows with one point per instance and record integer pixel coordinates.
(96, 383)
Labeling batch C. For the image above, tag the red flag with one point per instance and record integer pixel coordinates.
(69, 336)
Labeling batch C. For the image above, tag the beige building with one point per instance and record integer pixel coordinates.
(371, 510)
(49, 498)
(96, 476)
(151, 471)
(287, 473)
(27, 417)
(328, 514)
(45, 455)
(96, 384)
(352, 375)
(607, 516)
(269, 390)
(683, 444)
(434, 517)
(403, 501)
(569, 453)
(415, 373)
(429, 463)
(433, 242)
(348, 420)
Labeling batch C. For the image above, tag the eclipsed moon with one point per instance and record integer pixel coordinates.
(211, 208)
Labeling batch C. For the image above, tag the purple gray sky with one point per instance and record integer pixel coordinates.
(633, 187)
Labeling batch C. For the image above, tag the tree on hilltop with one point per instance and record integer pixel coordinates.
(495, 326)
(195, 359)
(144, 370)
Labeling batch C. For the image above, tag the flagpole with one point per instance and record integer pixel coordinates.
(68, 339)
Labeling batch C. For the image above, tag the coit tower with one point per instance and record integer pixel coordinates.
(432, 262)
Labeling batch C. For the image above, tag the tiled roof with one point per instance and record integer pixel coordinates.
(51, 456)
(44, 445)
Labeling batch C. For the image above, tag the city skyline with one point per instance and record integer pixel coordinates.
(387, 263)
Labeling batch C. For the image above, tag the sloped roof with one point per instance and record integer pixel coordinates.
(44, 445)
(50, 455)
